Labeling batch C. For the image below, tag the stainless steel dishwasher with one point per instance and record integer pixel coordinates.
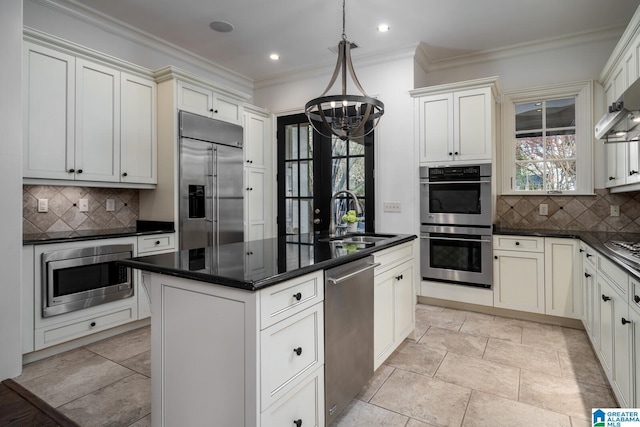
(348, 333)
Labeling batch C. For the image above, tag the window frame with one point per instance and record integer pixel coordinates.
(583, 93)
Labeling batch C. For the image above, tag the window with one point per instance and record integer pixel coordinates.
(547, 140)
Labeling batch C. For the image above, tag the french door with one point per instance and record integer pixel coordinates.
(311, 168)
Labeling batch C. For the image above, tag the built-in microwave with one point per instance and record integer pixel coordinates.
(456, 195)
(73, 279)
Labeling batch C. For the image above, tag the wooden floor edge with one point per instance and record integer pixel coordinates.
(43, 406)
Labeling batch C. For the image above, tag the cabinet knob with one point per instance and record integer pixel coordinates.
(249, 188)
(636, 298)
(72, 170)
(298, 351)
(399, 277)
(93, 324)
(249, 161)
(124, 174)
(298, 423)
(611, 178)
(79, 170)
(249, 253)
(213, 111)
(495, 257)
(581, 250)
(456, 153)
(632, 172)
(517, 243)
(316, 221)
(625, 321)
(157, 242)
(589, 255)
(587, 275)
(450, 153)
(605, 298)
(297, 296)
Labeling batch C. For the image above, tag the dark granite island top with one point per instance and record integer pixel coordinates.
(261, 263)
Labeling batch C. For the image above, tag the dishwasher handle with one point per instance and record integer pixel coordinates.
(337, 280)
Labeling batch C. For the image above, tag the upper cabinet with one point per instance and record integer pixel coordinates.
(199, 99)
(456, 122)
(86, 121)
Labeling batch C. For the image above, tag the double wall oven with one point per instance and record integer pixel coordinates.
(456, 221)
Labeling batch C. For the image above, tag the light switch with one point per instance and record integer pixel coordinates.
(83, 205)
(615, 210)
(111, 205)
(391, 207)
(43, 205)
(544, 209)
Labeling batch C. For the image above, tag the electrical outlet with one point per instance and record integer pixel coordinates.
(392, 207)
(615, 210)
(43, 205)
(544, 209)
(83, 205)
(111, 205)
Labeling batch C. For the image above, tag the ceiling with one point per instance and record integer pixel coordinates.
(302, 31)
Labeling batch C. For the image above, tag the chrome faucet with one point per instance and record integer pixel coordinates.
(332, 222)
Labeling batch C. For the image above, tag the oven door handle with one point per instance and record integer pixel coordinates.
(454, 182)
(457, 240)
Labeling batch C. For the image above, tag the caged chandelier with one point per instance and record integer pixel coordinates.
(344, 116)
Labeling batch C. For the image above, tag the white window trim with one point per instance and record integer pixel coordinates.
(583, 92)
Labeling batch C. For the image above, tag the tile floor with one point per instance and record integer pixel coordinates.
(462, 369)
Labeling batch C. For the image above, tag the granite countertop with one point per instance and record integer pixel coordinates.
(595, 239)
(141, 228)
(261, 263)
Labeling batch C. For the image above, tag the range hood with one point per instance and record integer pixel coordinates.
(622, 122)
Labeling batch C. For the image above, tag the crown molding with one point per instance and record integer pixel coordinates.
(171, 72)
(364, 60)
(111, 25)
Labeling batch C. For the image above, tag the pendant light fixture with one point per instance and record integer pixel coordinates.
(344, 116)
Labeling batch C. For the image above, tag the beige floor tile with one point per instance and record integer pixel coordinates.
(523, 356)
(489, 410)
(361, 414)
(140, 363)
(119, 404)
(471, 314)
(416, 423)
(417, 358)
(562, 395)
(497, 328)
(64, 385)
(441, 319)
(479, 374)
(573, 340)
(424, 399)
(577, 422)
(54, 363)
(455, 342)
(582, 367)
(142, 422)
(379, 377)
(428, 307)
(123, 346)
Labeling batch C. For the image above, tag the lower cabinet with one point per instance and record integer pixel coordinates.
(150, 245)
(394, 300)
(634, 317)
(562, 284)
(518, 280)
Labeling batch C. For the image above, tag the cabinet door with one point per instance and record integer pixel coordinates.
(634, 316)
(605, 301)
(562, 281)
(195, 99)
(404, 294)
(472, 124)
(256, 140)
(633, 175)
(255, 207)
(97, 147)
(436, 127)
(226, 109)
(383, 319)
(622, 351)
(49, 113)
(138, 146)
(589, 304)
(617, 164)
(518, 281)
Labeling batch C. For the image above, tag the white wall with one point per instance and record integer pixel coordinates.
(11, 188)
(396, 167)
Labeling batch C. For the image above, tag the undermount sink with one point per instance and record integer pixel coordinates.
(361, 239)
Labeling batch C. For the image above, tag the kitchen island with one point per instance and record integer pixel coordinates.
(238, 331)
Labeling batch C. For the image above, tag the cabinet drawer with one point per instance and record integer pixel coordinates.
(156, 242)
(288, 351)
(281, 301)
(615, 274)
(634, 297)
(392, 256)
(55, 335)
(588, 254)
(519, 243)
(305, 402)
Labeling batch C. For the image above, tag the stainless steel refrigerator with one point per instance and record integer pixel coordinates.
(211, 168)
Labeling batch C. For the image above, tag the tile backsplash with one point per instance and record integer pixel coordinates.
(591, 213)
(64, 213)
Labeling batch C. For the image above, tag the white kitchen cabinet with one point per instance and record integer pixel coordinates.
(138, 144)
(86, 121)
(456, 122)
(617, 164)
(634, 317)
(150, 245)
(205, 101)
(394, 300)
(562, 283)
(257, 166)
(49, 113)
(518, 273)
(590, 304)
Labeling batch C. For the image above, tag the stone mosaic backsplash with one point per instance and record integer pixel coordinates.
(591, 213)
(64, 213)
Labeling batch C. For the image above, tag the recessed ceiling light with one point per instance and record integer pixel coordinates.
(274, 57)
(221, 27)
(383, 28)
